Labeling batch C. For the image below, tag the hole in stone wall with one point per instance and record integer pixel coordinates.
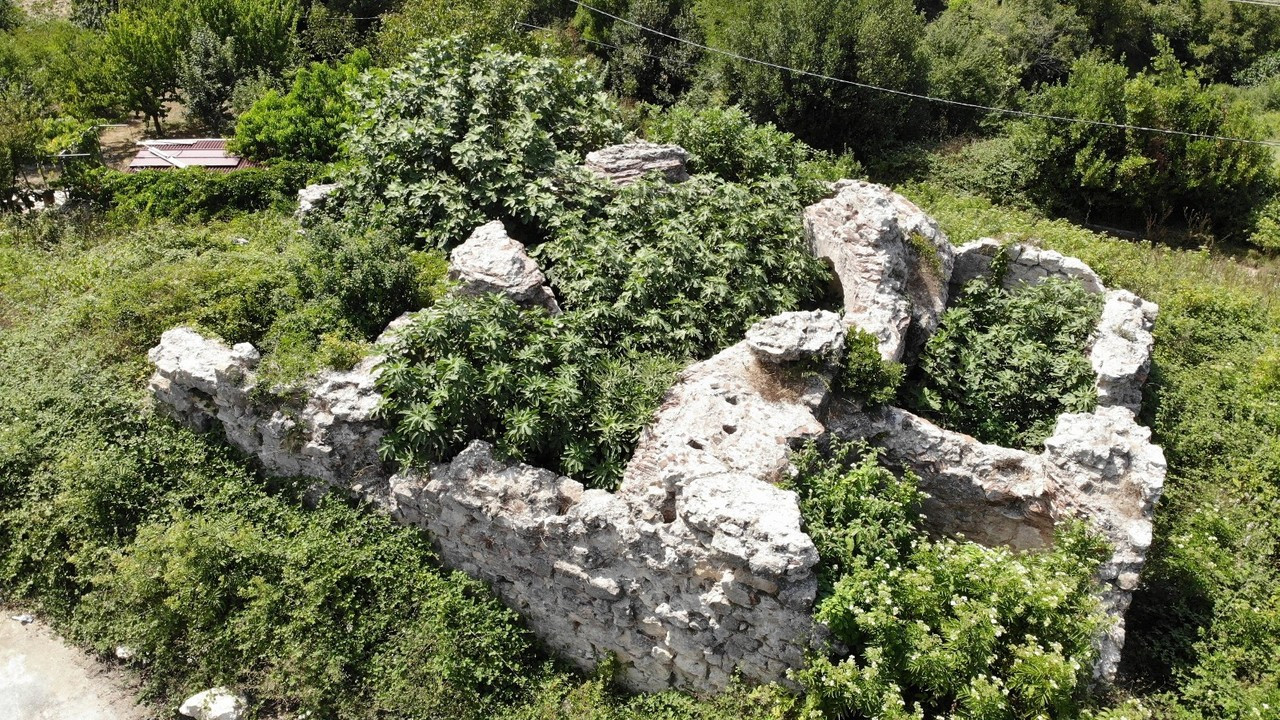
(730, 429)
(669, 507)
(695, 445)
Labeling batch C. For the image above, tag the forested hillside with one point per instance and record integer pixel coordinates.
(1140, 136)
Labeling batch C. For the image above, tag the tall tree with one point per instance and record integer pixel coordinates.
(147, 40)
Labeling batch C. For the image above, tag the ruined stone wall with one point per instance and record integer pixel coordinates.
(696, 568)
(698, 565)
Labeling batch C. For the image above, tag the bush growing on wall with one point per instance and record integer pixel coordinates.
(684, 270)
(937, 628)
(538, 387)
(1003, 365)
(460, 136)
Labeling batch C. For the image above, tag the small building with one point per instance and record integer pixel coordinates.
(208, 153)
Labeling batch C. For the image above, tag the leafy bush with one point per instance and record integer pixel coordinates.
(460, 136)
(685, 269)
(937, 628)
(194, 193)
(370, 278)
(538, 387)
(245, 588)
(347, 286)
(725, 142)
(308, 122)
(63, 67)
(864, 375)
(982, 50)
(642, 64)
(1086, 170)
(417, 21)
(868, 41)
(992, 168)
(1003, 365)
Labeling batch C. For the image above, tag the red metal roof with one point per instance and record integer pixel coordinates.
(208, 153)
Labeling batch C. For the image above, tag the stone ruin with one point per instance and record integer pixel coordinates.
(699, 566)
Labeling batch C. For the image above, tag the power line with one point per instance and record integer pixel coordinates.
(930, 98)
(1257, 2)
(619, 48)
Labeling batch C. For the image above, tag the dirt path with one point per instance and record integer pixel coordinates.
(43, 678)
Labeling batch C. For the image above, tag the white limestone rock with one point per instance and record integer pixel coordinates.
(874, 239)
(1122, 347)
(331, 434)
(795, 336)
(1028, 265)
(214, 704)
(625, 164)
(490, 261)
(313, 198)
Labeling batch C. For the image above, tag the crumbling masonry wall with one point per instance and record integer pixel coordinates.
(698, 565)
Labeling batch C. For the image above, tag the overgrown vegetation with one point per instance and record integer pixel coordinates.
(110, 516)
(193, 193)
(938, 628)
(1202, 632)
(126, 529)
(1004, 364)
(306, 123)
(459, 136)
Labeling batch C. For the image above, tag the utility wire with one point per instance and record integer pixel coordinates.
(619, 48)
(929, 98)
(1257, 2)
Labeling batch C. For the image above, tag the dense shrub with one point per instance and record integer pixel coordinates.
(539, 387)
(864, 375)
(982, 51)
(347, 286)
(642, 64)
(417, 21)
(1003, 365)
(193, 193)
(937, 628)
(63, 67)
(306, 123)
(1089, 170)
(370, 278)
(725, 142)
(870, 41)
(685, 269)
(459, 136)
(992, 168)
